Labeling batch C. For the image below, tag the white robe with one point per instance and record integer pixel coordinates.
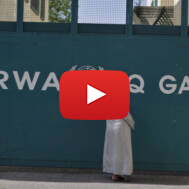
(117, 158)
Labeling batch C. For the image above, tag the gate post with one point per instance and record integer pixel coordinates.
(184, 18)
(20, 13)
(129, 17)
(74, 17)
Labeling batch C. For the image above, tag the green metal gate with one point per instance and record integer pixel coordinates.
(32, 130)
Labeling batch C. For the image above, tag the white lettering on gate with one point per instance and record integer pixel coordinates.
(136, 88)
(184, 85)
(167, 84)
(26, 79)
(51, 81)
(171, 86)
(4, 79)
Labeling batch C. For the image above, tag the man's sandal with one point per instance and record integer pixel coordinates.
(117, 178)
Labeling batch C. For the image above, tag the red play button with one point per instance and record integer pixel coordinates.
(94, 95)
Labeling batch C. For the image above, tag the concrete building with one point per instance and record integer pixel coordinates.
(158, 12)
(8, 10)
(34, 10)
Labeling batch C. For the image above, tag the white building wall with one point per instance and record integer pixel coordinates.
(174, 3)
(177, 9)
(167, 3)
(149, 2)
(30, 15)
(8, 10)
(177, 12)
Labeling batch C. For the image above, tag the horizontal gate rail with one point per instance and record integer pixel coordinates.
(77, 28)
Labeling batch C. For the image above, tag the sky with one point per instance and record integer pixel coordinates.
(104, 11)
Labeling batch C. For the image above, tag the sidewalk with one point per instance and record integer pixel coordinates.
(44, 178)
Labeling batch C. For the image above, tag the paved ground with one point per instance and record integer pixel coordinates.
(82, 179)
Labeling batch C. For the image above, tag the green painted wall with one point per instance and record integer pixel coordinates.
(32, 130)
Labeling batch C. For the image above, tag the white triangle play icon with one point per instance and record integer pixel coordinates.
(93, 94)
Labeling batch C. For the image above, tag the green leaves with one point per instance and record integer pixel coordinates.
(60, 11)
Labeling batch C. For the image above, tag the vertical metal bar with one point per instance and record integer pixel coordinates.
(74, 26)
(129, 17)
(20, 13)
(184, 18)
